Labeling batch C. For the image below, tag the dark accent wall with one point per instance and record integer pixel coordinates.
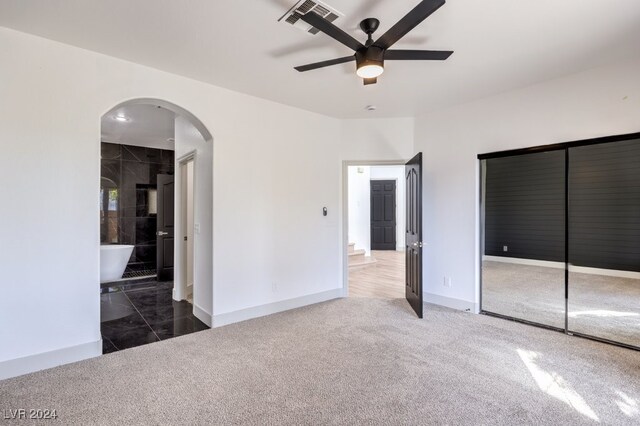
(524, 206)
(604, 206)
(525, 197)
(133, 171)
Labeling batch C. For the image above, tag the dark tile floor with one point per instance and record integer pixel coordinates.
(145, 313)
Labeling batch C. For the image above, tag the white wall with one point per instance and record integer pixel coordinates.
(187, 140)
(378, 139)
(395, 173)
(275, 168)
(360, 208)
(598, 102)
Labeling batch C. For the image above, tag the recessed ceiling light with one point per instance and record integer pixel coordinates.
(370, 108)
(121, 117)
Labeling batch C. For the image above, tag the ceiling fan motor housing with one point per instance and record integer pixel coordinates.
(372, 55)
(369, 25)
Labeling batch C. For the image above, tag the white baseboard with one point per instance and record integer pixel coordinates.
(42, 361)
(202, 315)
(449, 302)
(560, 265)
(273, 308)
(607, 272)
(528, 262)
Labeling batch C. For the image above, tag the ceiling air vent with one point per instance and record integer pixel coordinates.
(305, 6)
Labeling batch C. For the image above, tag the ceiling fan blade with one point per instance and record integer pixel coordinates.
(331, 30)
(409, 22)
(323, 64)
(368, 81)
(417, 55)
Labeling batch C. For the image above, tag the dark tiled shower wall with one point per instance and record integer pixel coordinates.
(135, 170)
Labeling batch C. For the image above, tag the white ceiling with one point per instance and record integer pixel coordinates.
(499, 45)
(146, 125)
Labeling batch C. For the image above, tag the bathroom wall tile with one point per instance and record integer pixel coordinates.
(110, 151)
(127, 203)
(127, 230)
(145, 253)
(142, 202)
(110, 169)
(134, 153)
(153, 155)
(168, 157)
(134, 173)
(154, 171)
(158, 169)
(146, 230)
(135, 169)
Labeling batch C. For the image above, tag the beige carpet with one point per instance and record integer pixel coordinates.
(602, 306)
(348, 361)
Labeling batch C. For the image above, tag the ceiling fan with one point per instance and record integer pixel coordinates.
(370, 57)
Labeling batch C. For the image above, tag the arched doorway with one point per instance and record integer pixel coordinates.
(156, 223)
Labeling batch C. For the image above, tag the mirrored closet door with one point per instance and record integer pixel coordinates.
(604, 241)
(523, 258)
(560, 237)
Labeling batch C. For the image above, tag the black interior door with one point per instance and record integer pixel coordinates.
(165, 228)
(383, 215)
(413, 249)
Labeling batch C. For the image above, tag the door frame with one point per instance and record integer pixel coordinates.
(344, 229)
(162, 275)
(179, 281)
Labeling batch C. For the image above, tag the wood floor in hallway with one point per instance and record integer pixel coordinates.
(383, 279)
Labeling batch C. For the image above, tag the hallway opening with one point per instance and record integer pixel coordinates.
(376, 230)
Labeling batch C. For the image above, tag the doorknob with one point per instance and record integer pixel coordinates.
(161, 233)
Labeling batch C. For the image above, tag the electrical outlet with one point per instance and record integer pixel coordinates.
(447, 282)
(196, 228)
(505, 248)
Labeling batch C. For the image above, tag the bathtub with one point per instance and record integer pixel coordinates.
(113, 261)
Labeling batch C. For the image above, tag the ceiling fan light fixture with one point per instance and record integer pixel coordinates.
(370, 70)
(370, 62)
